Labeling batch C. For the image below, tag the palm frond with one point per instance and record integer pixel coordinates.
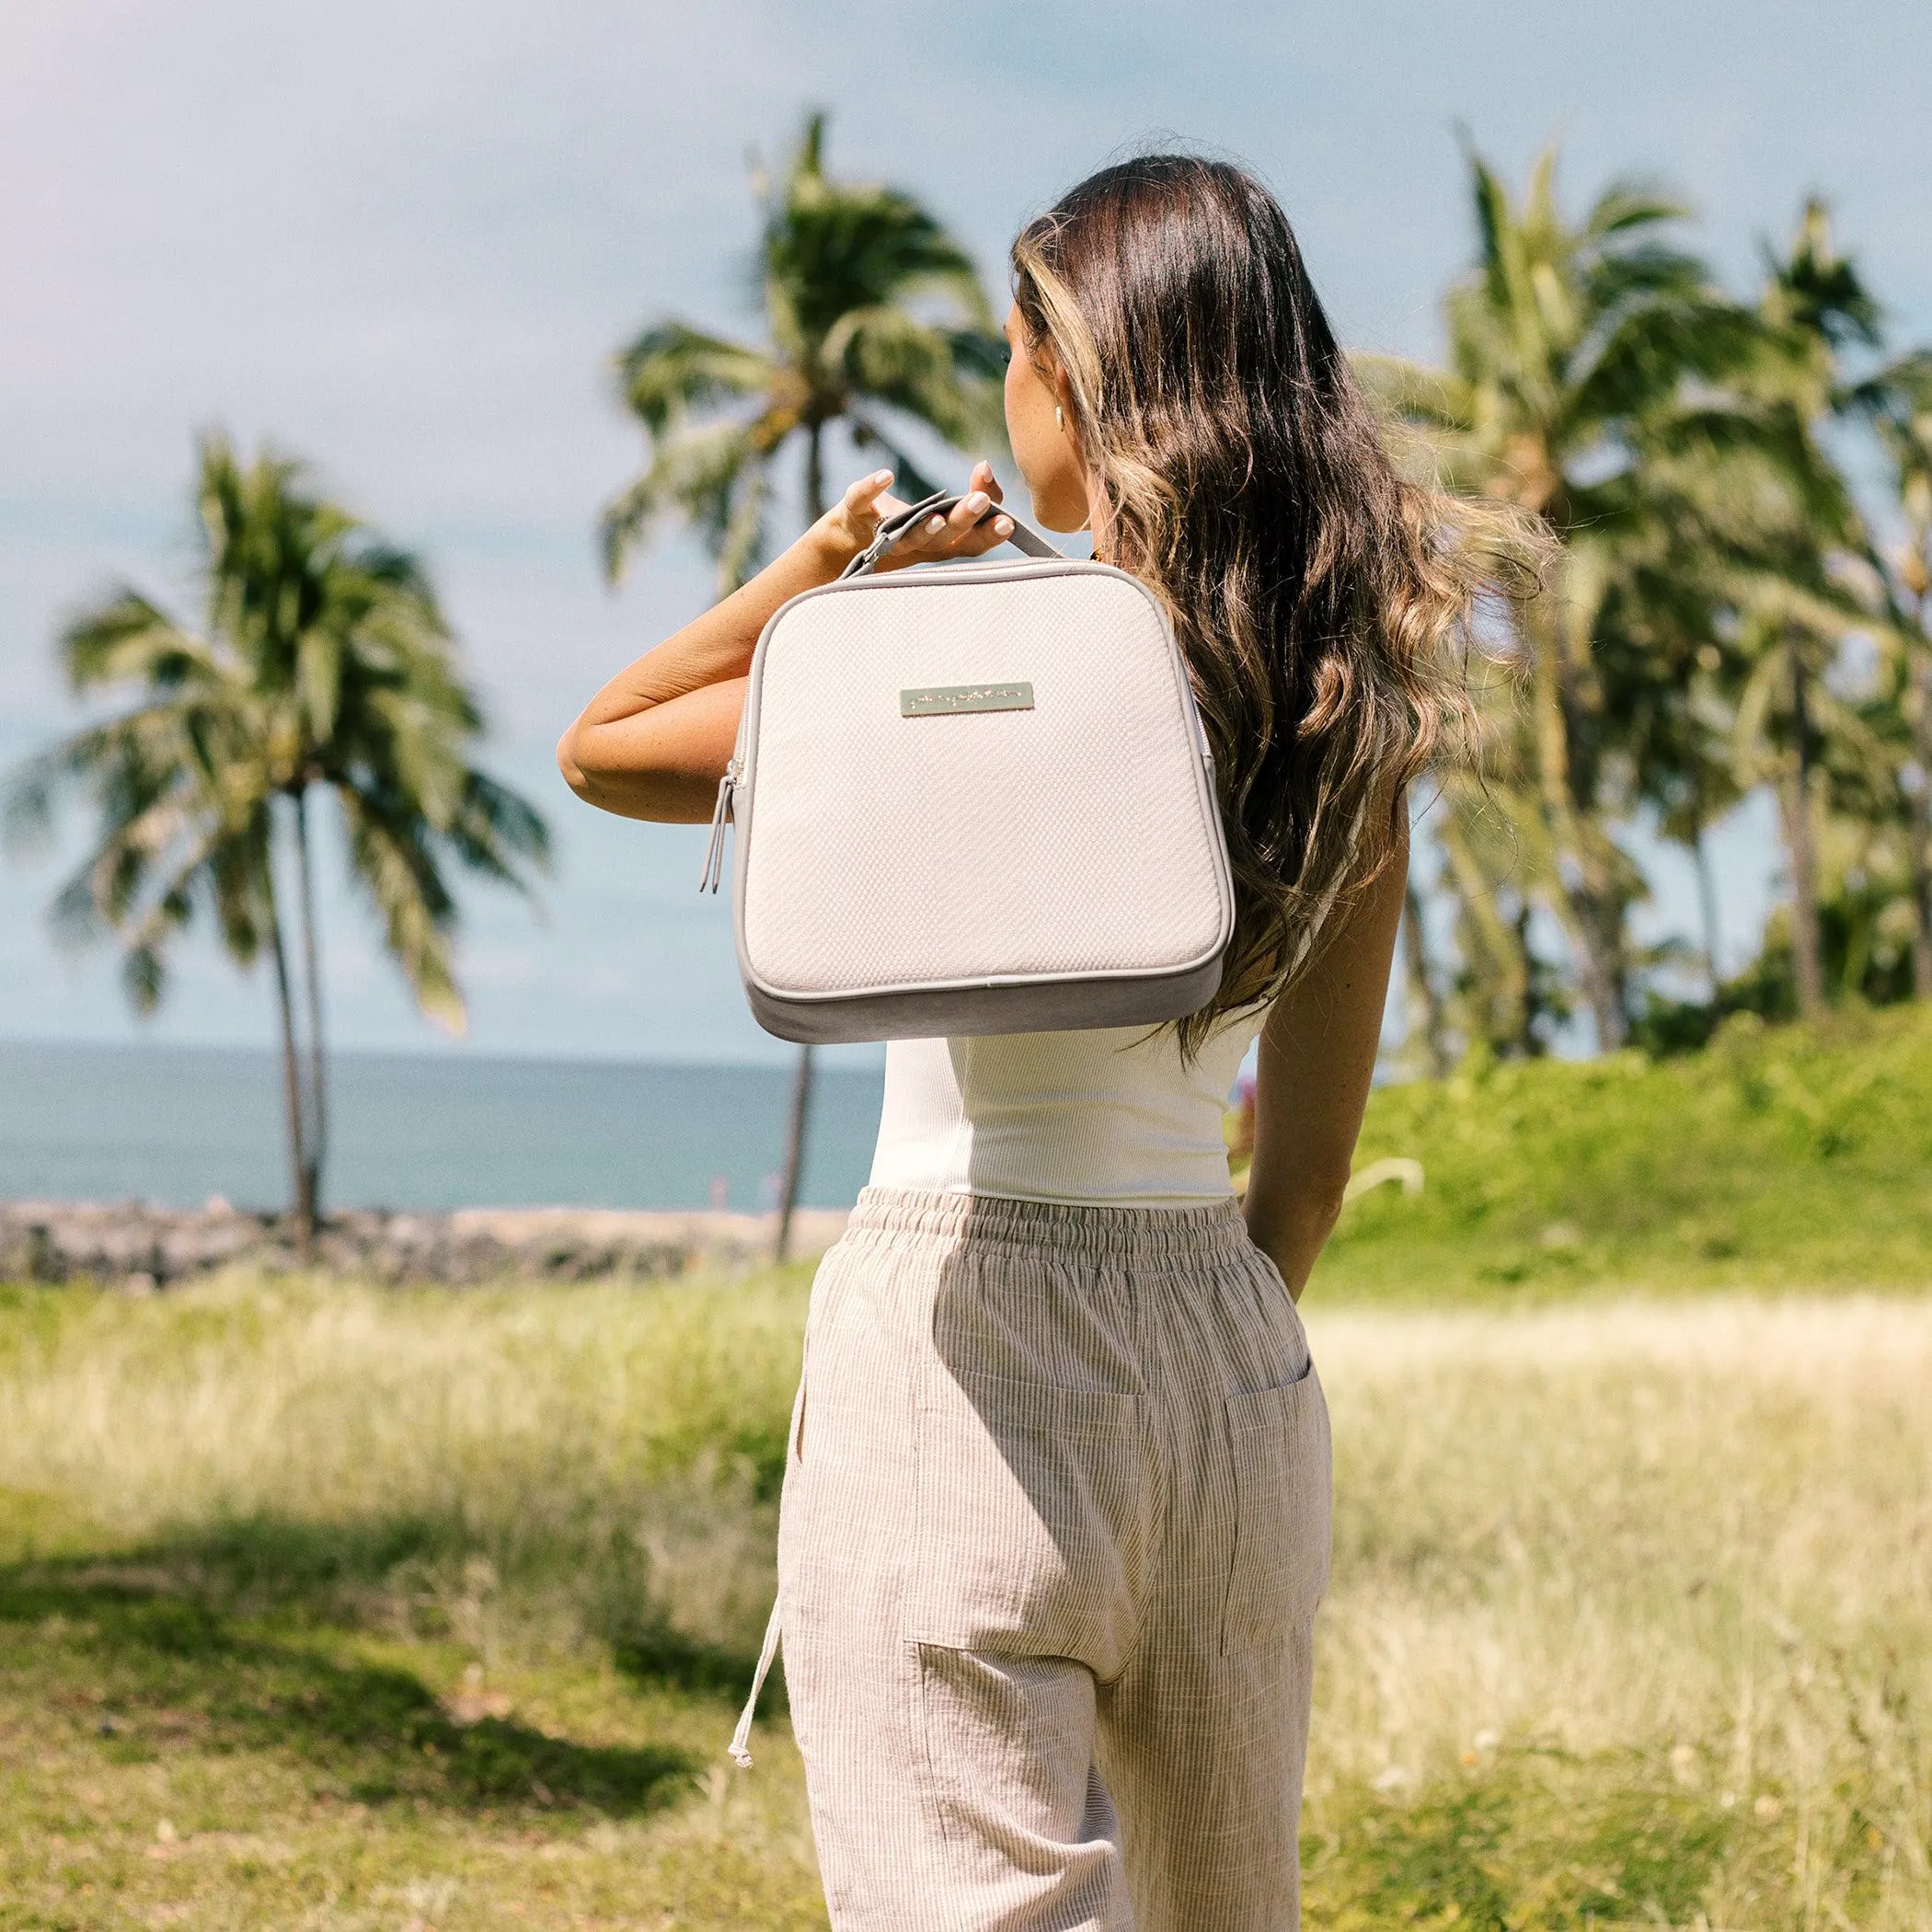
(128, 639)
(1615, 278)
(1818, 290)
(1633, 204)
(741, 544)
(980, 354)
(166, 836)
(1494, 250)
(1654, 351)
(908, 479)
(392, 862)
(672, 371)
(168, 911)
(699, 473)
(808, 161)
(833, 247)
(888, 356)
(499, 833)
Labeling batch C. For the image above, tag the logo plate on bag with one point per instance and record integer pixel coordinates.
(944, 700)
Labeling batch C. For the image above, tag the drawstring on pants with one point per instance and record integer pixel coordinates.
(742, 1737)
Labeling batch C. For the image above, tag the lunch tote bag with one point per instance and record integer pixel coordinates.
(973, 798)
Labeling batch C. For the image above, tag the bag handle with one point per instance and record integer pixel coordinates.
(902, 524)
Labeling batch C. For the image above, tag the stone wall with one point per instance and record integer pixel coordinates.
(132, 1246)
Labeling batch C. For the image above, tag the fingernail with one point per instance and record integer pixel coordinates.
(937, 523)
(976, 502)
(1002, 527)
(881, 475)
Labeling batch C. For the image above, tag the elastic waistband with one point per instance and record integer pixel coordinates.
(1142, 1233)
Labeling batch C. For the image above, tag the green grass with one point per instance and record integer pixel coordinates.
(323, 1607)
(1786, 1157)
(331, 1608)
(166, 1762)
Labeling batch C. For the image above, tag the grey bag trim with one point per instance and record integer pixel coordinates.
(1031, 1005)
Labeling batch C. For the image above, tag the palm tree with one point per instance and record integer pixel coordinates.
(1426, 1014)
(874, 317)
(1816, 306)
(1666, 650)
(1898, 401)
(323, 663)
(1675, 640)
(1848, 774)
(1724, 605)
(1574, 349)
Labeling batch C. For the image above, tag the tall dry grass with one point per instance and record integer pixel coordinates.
(552, 1468)
(1632, 1605)
(1683, 1548)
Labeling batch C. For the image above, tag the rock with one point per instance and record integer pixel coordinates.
(141, 1249)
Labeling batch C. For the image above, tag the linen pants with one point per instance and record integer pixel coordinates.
(1056, 1524)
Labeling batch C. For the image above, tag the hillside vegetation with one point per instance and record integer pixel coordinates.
(1779, 1158)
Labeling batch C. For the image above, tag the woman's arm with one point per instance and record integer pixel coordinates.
(655, 740)
(1316, 1062)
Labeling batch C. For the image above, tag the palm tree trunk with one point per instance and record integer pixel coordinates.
(802, 1080)
(303, 1200)
(1427, 1000)
(1584, 903)
(1707, 893)
(1708, 906)
(1796, 800)
(1529, 1043)
(1499, 966)
(794, 1152)
(317, 1147)
(814, 475)
(1922, 899)
(1920, 808)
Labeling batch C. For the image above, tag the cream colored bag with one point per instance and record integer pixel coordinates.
(973, 798)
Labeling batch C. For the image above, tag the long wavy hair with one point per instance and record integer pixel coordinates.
(1323, 601)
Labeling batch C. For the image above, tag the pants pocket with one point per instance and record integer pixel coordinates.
(1278, 1439)
(1029, 1520)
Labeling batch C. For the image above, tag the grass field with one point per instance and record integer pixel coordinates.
(325, 1607)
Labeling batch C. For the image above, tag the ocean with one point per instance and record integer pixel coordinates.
(174, 1125)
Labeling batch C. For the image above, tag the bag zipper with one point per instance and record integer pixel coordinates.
(721, 816)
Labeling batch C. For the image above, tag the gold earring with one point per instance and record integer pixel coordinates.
(1060, 418)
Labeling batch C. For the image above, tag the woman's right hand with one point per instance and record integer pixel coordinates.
(852, 522)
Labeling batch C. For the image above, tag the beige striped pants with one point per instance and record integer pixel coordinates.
(1055, 1525)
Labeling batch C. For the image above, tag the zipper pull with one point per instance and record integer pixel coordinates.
(708, 881)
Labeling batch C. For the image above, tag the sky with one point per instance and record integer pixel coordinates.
(402, 240)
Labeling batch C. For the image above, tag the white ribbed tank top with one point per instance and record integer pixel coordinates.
(1108, 1118)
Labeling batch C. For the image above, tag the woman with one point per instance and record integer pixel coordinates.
(1056, 1518)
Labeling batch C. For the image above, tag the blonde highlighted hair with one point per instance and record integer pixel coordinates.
(1323, 601)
